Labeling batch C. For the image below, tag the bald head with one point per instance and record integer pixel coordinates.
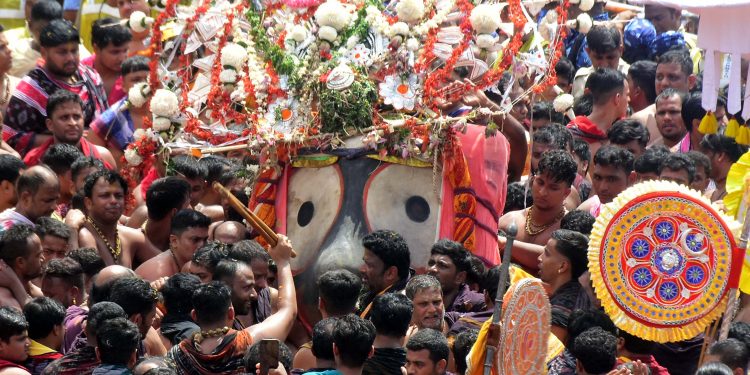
(230, 232)
(102, 282)
(38, 191)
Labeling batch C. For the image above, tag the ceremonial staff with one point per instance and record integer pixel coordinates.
(510, 236)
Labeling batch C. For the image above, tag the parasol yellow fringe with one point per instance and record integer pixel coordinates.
(733, 128)
(709, 124)
(735, 185)
(619, 317)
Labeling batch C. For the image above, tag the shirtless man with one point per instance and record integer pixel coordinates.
(188, 233)
(164, 198)
(22, 252)
(611, 175)
(550, 186)
(104, 199)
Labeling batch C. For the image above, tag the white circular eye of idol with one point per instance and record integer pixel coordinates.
(313, 204)
(403, 199)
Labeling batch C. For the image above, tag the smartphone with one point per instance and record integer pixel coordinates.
(269, 355)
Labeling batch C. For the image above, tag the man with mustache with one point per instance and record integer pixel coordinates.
(61, 71)
(22, 252)
(426, 295)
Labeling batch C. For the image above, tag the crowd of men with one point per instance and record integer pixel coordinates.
(180, 287)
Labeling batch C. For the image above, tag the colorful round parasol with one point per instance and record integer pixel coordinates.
(662, 260)
(526, 328)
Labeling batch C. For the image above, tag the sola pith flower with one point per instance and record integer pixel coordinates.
(161, 124)
(401, 94)
(583, 23)
(228, 76)
(139, 21)
(563, 103)
(410, 10)
(132, 157)
(332, 14)
(298, 33)
(486, 41)
(164, 103)
(233, 55)
(137, 95)
(485, 18)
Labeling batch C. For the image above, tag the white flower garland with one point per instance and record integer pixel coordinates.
(485, 18)
(137, 95)
(165, 103)
(139, 21)
(132, 157)
(410, 10)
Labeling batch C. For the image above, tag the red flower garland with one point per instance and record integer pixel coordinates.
(555, 50)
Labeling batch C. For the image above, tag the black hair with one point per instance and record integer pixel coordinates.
(135, 295)
(677, 162)
(67, 270)
(391, 314)
(59, 98)
(166, 194)
(353, 337)
(651, 159)
(596, 350)
(12, 323)
(188, 167)
(581, 149)
(564, 68)
(109, 176)
(583, 105)
(637, 345)
(14, 243)
(732, 352)
(692, 109)
(226, 270)
(462, 346)
(740, 331)
(491, 281)
(627, 130)
(178, 291)
(545, 110)
(432, 341)
(43, 314)
(215, 165)
(58, 32)
(613, 156)
(422, 282)
(10, 168)
(391, 249)
(83, 163)
(117, 340)
(211, 302)
(574, 246)
(517, 198)
(714, 368)
(559, 166)
(106, 31)
(186, 219)
(670, 92)
(723, 144)
(643, 75)
(322, 339)
(680, 57)
(33, 179)
(581, 320)
(47, 226)
(477, 270)
(61, 156)
(102, 312)
(454, 250)
(247, 251)
(579, 221)
(134, 64)
(554, 135)
(603, 83)
(89, 259)
(252, 357)
(210, 254)
(339, 290)
(46, 10)
(603, 39)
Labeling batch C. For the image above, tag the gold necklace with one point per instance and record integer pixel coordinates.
(540, 228)
(6, 95)
(202, 335)
(115, 251)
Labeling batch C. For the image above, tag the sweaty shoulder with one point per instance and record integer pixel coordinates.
(586, 206)
(14, 371)
(150, 269)
(7, 299)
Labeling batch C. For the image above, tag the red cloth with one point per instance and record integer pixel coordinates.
(151, 176)
(89, 149)
(650, 361)
(114, 95)
(7, 364)
(583, 128)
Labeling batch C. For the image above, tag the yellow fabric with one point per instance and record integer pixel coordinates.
(36, 349)
(92, 10)
(475, 359)
(733, 128)
(555, 347)
(691, 40)
(709, 124)
(736, 202)
(13, 14)
(410, 162)
(319, 161)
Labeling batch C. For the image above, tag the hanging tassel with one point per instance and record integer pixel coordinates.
(733, 128)
(743, 136)
(709, 125)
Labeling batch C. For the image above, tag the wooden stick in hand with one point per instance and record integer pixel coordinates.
(268, 234)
